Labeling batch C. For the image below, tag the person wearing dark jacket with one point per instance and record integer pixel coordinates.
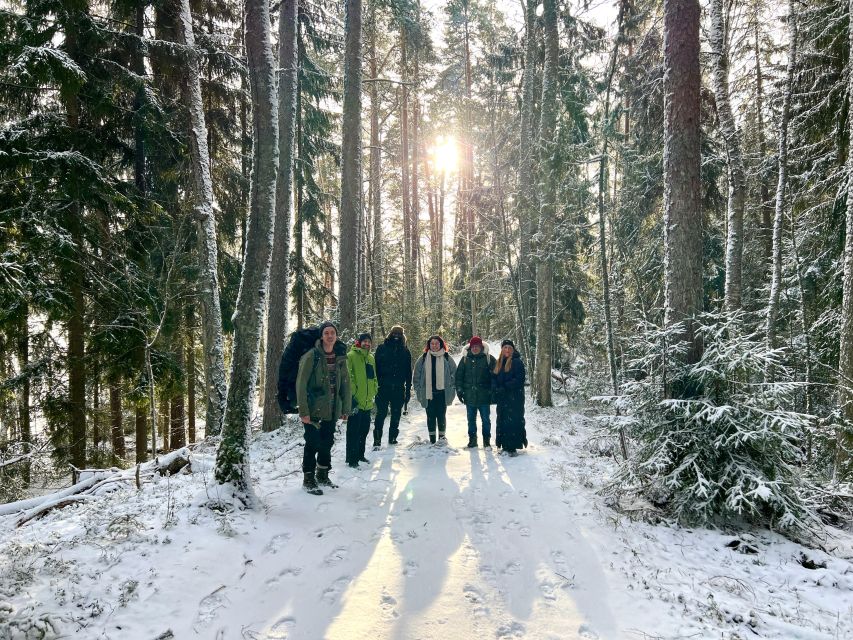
(323, 394)
(474, 388)
(394, 372)
(508, 387)
(433, 379)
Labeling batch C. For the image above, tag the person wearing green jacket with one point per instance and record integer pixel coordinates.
(323, 395)
(362, 374)
(474, 389)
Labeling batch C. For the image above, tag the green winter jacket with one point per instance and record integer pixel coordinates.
(312, 384)
(362, 374)
(474, 378)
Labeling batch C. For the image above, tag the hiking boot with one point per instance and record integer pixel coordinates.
(432, 438)
(322, 477)
(394, 441)
(472, 443)
(309, 483)
(513, 453)
(442, 439)
(377, 447)
(486, 443)
(364, 460)
(352, 465)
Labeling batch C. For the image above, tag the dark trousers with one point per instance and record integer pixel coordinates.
(388, 395)
(484, 411)
(358, 426)
(318, 445)
(436, 411)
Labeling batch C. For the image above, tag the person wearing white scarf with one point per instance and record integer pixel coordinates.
(434, 385)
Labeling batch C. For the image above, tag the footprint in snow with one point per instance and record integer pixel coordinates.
(280, 630)
(336, 555)
(524, 531)
(587, 632)
(387, 603)
(209, 606)
(289, 572)
(362, 514)
(475, 597)
(410, 569)
(511, 568)
(277, 542)
(323, 507)
(512, 630)
(334, 590)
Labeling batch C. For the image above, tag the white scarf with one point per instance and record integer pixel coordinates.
(439, 373)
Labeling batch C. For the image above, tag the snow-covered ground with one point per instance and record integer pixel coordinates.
(425, 542)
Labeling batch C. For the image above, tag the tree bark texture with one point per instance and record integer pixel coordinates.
(736, 172)
(548, 208)
(350, 168)
(682, 197)
(845, 361)
(232, 460)
(278, 307)
(211, 314)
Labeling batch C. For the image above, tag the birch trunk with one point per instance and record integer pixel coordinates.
(737, 175)
(548, 208)
(211, 314)
(350, 168)
(682, 201)
(781, 186)
(278, 308)
(232, 460)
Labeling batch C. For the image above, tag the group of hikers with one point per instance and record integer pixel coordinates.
(334, 383)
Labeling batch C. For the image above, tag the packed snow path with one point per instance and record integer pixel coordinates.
(425, 542)
(428, 542)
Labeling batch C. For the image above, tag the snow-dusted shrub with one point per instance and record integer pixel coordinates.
(730, 447)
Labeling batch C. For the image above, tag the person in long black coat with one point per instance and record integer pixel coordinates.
(508, 387)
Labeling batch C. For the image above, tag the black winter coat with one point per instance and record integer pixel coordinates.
(508, 388)
(394, 364)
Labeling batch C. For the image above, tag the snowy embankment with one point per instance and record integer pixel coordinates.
(425, 542)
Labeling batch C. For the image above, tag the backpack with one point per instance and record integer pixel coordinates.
(298, 344)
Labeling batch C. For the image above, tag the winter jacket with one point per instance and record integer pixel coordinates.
(420, 382)
(474, 377)
(362, 377)
(508, 387)
(394, 363)
(312, 384)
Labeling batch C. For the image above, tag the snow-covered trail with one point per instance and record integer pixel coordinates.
(426, 542)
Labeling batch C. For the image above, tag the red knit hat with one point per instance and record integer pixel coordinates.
(476, 340)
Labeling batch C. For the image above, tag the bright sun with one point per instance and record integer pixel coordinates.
(444, 154)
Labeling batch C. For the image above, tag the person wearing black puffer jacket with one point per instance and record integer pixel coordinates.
(508, 386)
(394, 373)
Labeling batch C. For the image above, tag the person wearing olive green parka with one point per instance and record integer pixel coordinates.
(362, 374)
(323, 394)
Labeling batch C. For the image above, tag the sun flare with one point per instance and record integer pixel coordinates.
(444, 154)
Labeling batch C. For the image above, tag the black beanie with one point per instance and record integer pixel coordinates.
(327, 323)
(508, 342)
(364, 336)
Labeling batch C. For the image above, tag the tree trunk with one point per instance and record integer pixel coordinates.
(766, 208)
(278, 308)
(350, 167)
(377, 264)
(178, 435)
(781, 187)
(548, 208)
(299, 272)
(527, 197)
(164, 422)
(23, 353)
(682, 201)
(409, 291)
(845, 360)
(95, 376)
(232, 460)
(116, 426)
(190, 346)
(211, 314)
(414, 203)
(737, 176)
(141, 421)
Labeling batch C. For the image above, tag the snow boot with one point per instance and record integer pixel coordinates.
(322, 477)
(442, 439)
(432, 437)
(486, 443)
(513, 453)
(364, 460)
(309, 483)
(472, 442)
(394, 441)
(352, 465)
(377, 447)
